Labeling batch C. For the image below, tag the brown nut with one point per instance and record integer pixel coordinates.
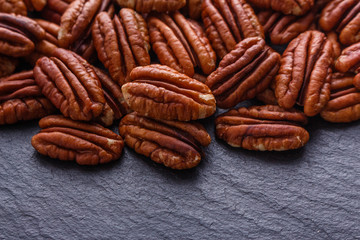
(356, 81)
(36, 5)
(18, 35)
(349, 59)
(305, 73)
(7, 65)
(192, 9)
(53, 10)
(13, 6)
(122, 43)
(146, 6)
(288, 7)
(344, 104)
(244, 72)
(21, 99)
(161, 92)
(71, 84)
(175, 144)
(343, 16)
(333, 38)
(268, 96)
(228, 22)
(69, 140)
(263, 128)
(181, 43)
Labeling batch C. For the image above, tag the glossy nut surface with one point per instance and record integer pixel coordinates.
(349, 59)
(146, 6)
(288, 7)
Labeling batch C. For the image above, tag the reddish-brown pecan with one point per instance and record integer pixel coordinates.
(69, 140)
(263, 128)
(305, 73)
(36, 5)
(13, 6)
(181, 43)
(53, 10)
(71, 84)
(228, 22)
(51, 29)
(7, 65)
(333, 38)
(349, 59)
(122, 43)
(192, 9)
(175, 144)
(160, 92)
(356, 81)
(146, 6)
(284, 28)
(18, 35)
(21, 99)
(288, 7)
(344, 105)
(343, 16)
(244, 72)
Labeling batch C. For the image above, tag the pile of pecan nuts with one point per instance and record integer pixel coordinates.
(158, 65)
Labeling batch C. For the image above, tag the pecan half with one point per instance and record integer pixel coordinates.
(192, 9)
(333, 38)
(21, 99)
(13, 6)
(305, 73)
(146, 6)
(18, 35)
(343, 16)
(175, 144)
(349, 59)
(181, 44)
(292, 7)
(228, 22)
(161, 92)
(71, 84)
(69, 140)
(344, 104)
(7, 65)
(122, 43)
(263, 128)
(54, 10)
(244, 72)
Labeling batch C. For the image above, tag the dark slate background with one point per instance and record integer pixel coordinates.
(311, 193)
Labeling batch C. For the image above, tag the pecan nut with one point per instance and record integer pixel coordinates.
(36, 5)
(192, 9)
(69, 140)
(344, 104)
(228, 22)
(18, 35)
(181, 44)
(343, 16)
(161, 92)
(13, 6)
(288, 7)
(53, 10)
(305, 73)
(71, 84)
(263, 128)
(244, 72)
(146, 6)
(122, 43)
(21, 99)
(349, 59)
(7, 65)
(174, 144)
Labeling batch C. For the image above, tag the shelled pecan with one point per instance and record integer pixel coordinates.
(349, 59)
(160, 92)
(7, 65)
(344, 104)
(175, 144)
(343, 16)
(122, 43)
(228, 22)
(287, 7)
(181, 44)
(244, 72)
(36, 5)
(305, 73)
(146, 6)
(192, 9)
(69, 140)
(13, 6)
(54, 9)
(334, 39)
(263, 128)
(18, 35)
(71, 84)
(21, 99)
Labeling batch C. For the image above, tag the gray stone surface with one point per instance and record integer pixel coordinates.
(312, 193)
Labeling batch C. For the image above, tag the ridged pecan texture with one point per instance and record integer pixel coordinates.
(18, 35)
(161, 92)
(263, 128)
(122, 43)
(244, 72)
(343, 16)
(175, 144)
(349, 59)
(146, 6)
(305, 73)
(71, 84)
(344, 105)
(13, 6)
(227, 22)
(69, 140)
(288, 7)
(21, 99)
(181, 43)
